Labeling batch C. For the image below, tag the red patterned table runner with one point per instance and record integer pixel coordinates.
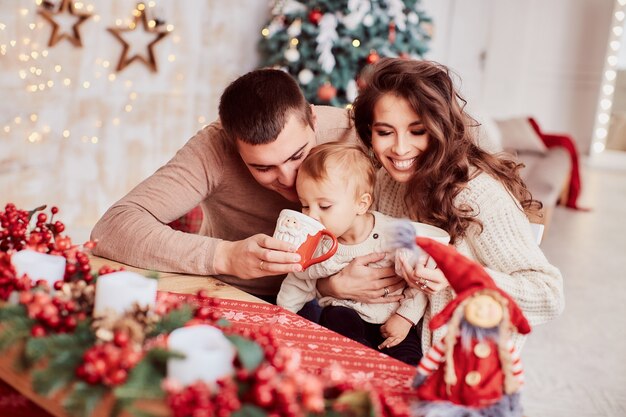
(319, 348)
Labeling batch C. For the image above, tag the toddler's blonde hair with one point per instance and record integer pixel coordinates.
(349, 159)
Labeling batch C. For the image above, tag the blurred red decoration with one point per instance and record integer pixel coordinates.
(315, 16)
(392, 32)
(326, 92)
(373, 57)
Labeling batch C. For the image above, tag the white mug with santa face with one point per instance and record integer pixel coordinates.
(304, 233)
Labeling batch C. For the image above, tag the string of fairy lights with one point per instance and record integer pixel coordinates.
(605, 103)
(40, 70)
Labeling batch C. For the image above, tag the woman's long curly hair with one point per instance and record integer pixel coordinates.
(444, 169)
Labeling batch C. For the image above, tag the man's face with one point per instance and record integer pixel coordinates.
(275, 165)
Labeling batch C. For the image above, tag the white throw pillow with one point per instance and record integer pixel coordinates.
(519, 135)
(489, 136)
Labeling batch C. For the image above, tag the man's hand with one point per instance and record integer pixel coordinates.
(360, 282)
(257, 256)
(394, 331)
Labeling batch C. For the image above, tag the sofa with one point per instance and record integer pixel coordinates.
(546, 170)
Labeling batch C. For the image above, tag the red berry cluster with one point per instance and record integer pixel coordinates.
(54, 313)
(14, 233)
(278, 385)
(9, 281)
(166, 302)
(284, 393)
(77, 266)
(265, 338)
(203, 400)
(206, 312)
(109, 363)
(45, 237)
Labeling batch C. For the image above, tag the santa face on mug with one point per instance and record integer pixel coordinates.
(305, 234)
(289, 229)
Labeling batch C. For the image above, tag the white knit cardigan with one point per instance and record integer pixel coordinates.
(506, 247)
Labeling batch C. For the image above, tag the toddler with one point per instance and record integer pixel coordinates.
(335, 185)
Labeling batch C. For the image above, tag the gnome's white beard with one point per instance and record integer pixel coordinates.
(290, 235)
(470, 333)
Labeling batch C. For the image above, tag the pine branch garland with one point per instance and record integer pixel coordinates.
(173, 320)
(119, 406)
(140, 413)
(60, 372)
(9, 312)
(14, 331)
(250, 353)
(160, 356)
(144, 381)
(56, 344)
(248, 410)
(83, 399)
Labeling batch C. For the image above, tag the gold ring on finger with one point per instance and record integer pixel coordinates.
(386, 292)
(261, 265)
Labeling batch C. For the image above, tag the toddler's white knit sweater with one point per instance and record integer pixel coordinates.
(299, 288)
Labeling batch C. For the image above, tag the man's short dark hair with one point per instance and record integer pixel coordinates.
(256, 106)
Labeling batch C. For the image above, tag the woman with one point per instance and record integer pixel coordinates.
(411, 117)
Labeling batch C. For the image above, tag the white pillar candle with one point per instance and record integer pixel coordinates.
(118, 291)
(208, 354)
(39, 266)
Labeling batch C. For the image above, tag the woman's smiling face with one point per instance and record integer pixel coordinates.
(398, 136)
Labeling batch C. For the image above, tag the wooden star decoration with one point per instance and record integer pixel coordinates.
(149, 26)
(67, 6)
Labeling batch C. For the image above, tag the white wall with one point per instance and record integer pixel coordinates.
(527, 57)
(515, 57)
(110, 149)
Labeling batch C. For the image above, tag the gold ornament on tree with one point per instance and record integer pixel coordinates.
(155, 27)
(66, 7)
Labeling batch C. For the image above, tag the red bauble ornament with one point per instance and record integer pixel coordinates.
(392, 32)
(326, 92)
(373, 57)
(315, 16)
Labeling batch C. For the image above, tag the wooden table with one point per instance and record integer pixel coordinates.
(184, 284)
(177, 283)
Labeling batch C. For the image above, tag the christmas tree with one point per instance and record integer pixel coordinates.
(325, 44)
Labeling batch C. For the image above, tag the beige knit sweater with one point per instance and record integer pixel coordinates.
(506, 247)
(299, 288)
(209, 172)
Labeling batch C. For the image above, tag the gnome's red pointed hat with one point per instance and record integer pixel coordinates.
(466, 277)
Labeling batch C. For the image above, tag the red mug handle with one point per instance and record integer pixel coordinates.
(320, 235)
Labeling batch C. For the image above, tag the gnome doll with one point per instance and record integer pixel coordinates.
(474, 370)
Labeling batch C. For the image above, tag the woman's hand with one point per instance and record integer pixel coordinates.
(394, 331)
(257, 256)
(360, 282)
(428, 280)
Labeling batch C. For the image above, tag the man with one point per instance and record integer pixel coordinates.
(241, 170)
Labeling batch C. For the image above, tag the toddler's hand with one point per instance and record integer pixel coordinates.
(394, 330)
